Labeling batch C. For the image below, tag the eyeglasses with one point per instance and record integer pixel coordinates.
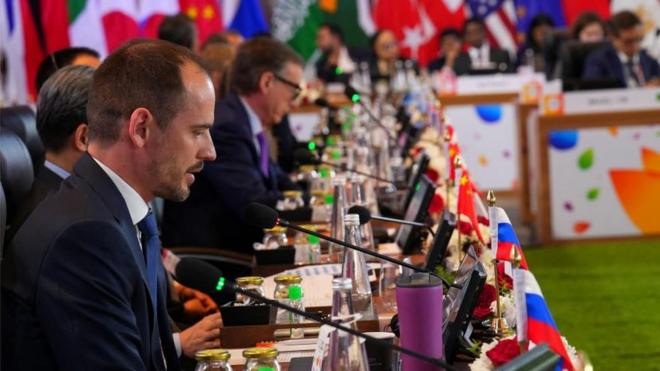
(296, 88)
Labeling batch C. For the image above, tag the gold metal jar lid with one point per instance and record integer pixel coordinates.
(292, 194)
(212, 355)
(288, 278)
(260, 353)
(250, 280)
(275, 230)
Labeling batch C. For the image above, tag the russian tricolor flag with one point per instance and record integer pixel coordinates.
(533, 319)
(506, 237)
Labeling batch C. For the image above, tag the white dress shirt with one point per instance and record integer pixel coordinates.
(255, 124)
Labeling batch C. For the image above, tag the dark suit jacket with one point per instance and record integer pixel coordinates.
(436, 64)
(213, 215)
(604, 63)
(74, 294)
(45, 183)
(500, 57)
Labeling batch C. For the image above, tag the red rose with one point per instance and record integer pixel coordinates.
(486, 298)
(437, 204)
(504, 351)
(503, 279)
(465, 228)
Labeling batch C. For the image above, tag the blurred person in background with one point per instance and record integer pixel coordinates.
(217, 58)
(532, 52)
(588, 28)
(624, 60)
(335, 64)
(479, 54)
(450, 48)
(181, 30)
(65, 57)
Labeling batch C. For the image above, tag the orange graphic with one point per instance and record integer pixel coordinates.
(613, 130)
(639, 192)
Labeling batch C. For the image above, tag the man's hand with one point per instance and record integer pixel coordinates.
(195, 303)
(204, 334)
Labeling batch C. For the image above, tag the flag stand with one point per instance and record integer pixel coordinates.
(515, 264)
(457, 164)
(499, 324)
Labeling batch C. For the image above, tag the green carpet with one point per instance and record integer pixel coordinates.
(605, 299)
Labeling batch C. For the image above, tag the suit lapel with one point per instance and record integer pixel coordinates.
(91, 172)
(243, 120)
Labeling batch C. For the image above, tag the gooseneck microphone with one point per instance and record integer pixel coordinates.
(365, 217)
(208, 279)
(304, 156)
(264, 217)
(356, 97)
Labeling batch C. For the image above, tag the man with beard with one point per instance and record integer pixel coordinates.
(82, 284)
(335, 64)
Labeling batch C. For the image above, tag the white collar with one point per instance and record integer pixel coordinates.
(255, 122)
(56, 169)
(137, 207)
(624, 58)
(344, 61)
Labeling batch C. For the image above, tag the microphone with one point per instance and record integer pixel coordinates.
(365, 217)
(323, 103)
(355, 97)
(264, 217)
(208, 279)
(304, 156)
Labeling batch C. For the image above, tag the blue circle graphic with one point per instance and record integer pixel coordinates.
(563, 139)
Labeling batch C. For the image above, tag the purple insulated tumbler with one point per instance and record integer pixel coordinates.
(419, 299)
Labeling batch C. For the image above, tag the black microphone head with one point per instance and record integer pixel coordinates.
(261, 216)
(322, 102)
(363, 212)
(199, 275)
(351, 93)
(304, 156)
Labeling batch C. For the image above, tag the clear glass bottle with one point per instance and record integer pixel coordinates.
(275, 237)
(358, 198)
(339, 204)
(345, 351)
(250, 283)
(212, 360)
(355, 268)
(283, 283)
(295, 301)
(261, 359)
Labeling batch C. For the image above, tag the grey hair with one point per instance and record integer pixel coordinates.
(62, 105)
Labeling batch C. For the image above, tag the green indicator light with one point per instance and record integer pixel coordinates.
(355, 98)
(418, 186)
(311, 146)
(324, 173)
(338, 71)
(221, 284)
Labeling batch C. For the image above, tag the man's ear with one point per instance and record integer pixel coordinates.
(139, 126)
(266, 82)
(80, 137)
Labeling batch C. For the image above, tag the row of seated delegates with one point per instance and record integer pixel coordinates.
(335, 63)
(265, 80)
(87, 287)
(624, 60)
(477, 55)
(61, 124)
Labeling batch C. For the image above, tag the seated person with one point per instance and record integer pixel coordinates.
(624, 60)
(62, 127)
(335, 64)
(588, 28)
(65, 57)
(385, 55)
(479, 54)
(450, 47)
(532, 52)
(181, 30)
(265, 80)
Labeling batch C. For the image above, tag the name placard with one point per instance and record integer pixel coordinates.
(612, 100)
(502, 83)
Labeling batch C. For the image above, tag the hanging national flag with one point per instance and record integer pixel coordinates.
(55, 23)
(453, 149)
(562, 12)
(205, 14)
(85, 27)
(499, 17)
(417, 24)
(466, 203)
(506, 238)
(244, 16)
(533, 319)
(151, 14)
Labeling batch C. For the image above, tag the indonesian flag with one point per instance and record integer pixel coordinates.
(505, 240)
(533, 319)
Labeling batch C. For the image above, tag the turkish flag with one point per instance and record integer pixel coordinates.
(417, 24)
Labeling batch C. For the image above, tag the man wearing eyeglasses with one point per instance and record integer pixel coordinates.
(624, 60)
(265, 80)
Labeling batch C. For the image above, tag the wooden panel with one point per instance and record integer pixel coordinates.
(454, 100)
